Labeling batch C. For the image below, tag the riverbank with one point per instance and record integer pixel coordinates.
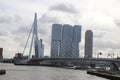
(104, 75)
(57, 66)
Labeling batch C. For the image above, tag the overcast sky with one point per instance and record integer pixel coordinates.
(100, 16)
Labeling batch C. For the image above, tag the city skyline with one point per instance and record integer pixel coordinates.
(101, 16)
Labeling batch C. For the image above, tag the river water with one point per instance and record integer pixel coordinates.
(43, 73)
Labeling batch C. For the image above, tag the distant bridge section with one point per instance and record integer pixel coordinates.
(100, 62)
(79, 59)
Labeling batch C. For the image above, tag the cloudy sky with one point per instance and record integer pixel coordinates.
(100, 16)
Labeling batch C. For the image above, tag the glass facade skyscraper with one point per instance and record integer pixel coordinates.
(65, 40)
(76, 40)
(56, 38)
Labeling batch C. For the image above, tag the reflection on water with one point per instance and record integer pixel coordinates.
(43, 73)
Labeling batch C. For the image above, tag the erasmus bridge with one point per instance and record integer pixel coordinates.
(72, 60)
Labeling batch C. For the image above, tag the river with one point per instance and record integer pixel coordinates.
(43, 73)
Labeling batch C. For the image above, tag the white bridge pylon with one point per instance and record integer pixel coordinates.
(39, 47)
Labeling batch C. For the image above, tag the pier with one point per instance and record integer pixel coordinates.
(104, 75)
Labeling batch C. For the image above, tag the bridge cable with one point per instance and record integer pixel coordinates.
(27, 39)
(70, 47)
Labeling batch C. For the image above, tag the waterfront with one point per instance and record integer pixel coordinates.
(43, 73)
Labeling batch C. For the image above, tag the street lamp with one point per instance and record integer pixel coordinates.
(99, 54)
(109, 55)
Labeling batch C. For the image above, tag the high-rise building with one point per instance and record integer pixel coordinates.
(41, 48)
(65, 40)
(88, 44)
(56, 39)
(66, 43)
(1, 53)
(76, 40)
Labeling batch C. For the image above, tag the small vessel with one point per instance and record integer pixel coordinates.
(2, 72)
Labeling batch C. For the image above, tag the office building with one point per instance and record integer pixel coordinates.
(76, 40)
(88, 44)
(1, 53)
(56, 39)
(65, 40)
(66, 43)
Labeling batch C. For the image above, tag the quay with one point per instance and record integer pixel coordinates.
(104, 75)
(2, 72)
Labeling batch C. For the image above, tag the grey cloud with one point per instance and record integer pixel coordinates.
(48, 19)
(5, 19)
(117, 22)
(42, 32)
(21, 39)
(26, 30)
(21, 29)
(2, 40)
(17, 18)
(3, 36)
(99, 34)
(44, 22)
(3, 33)
(21, 35)
(9, 19)
(64, 8)
(106, 44)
